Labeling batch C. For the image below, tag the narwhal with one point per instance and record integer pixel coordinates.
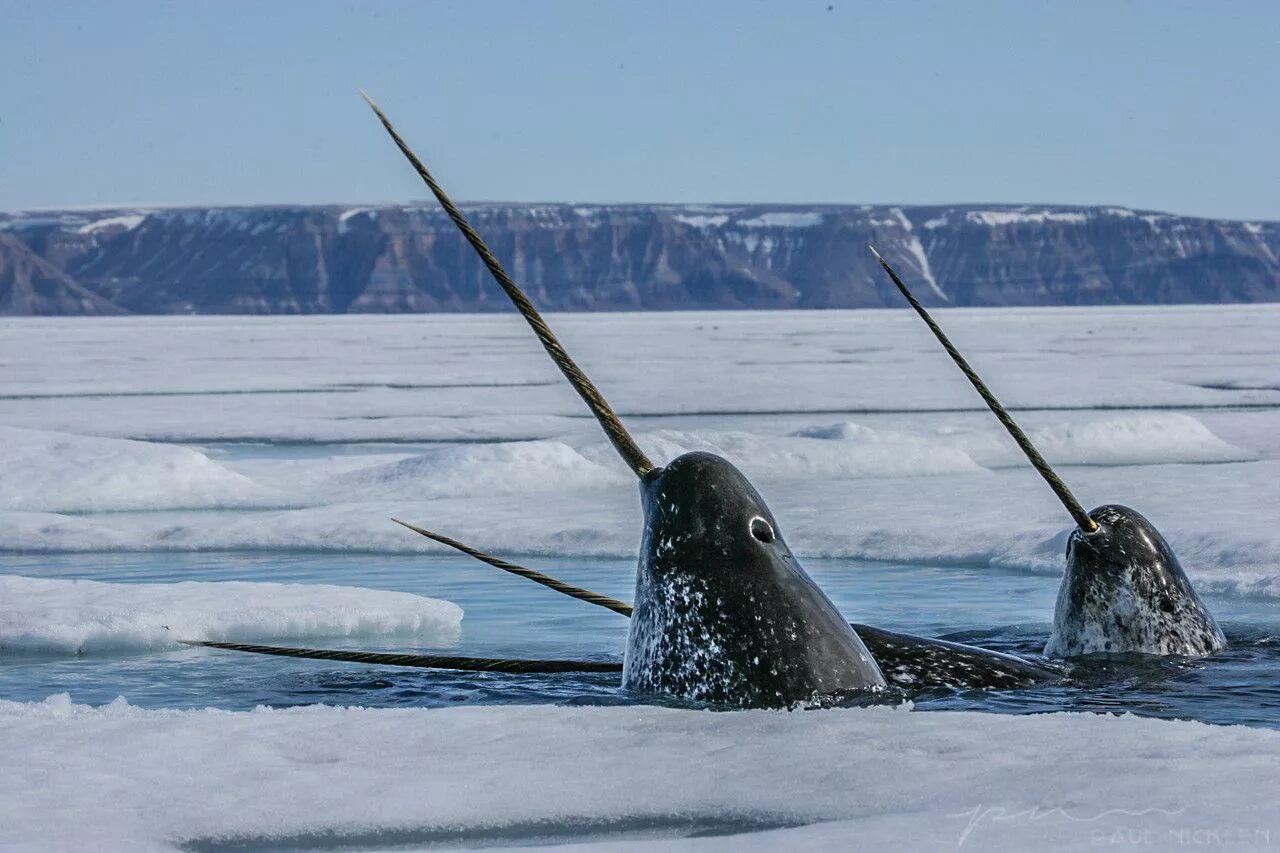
(907, 661)
(1123, 590)
(698, 512)
(724, 613)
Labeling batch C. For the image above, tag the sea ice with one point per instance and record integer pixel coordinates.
(74, 473)
(308, 433)
(81, 617)
(118, 777)
(861, 434)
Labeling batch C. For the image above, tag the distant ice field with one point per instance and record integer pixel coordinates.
(307, 433)
(233, 478)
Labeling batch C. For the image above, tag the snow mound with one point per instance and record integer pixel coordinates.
(784, 219)
(1144, 439)
(60, 472)
(78, 617)
(122, 778)
(703, 221)
(864, 453)
(996, 218)
(127, 223)
(477, 469)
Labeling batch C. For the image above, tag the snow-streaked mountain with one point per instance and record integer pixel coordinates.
(333, 259)
(31, 285)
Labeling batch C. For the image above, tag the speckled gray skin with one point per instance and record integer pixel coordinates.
(723, 612)
(1125, 592)
(914, 663)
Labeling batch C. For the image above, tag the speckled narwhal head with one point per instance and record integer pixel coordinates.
(1124, 591)
(777, 639)
(723, 612)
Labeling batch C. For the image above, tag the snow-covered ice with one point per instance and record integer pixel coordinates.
(44, 616)
(1138, 439)
(297, 435)
(57, 472)
(122, 778)
(486, 469)
(310, 432)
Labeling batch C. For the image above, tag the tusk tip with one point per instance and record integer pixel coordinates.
(377, 110)
(419, 530)
(874, 252)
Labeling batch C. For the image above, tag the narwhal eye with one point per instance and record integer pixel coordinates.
(761, 529)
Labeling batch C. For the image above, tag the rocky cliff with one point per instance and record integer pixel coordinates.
(31, 285)
(623, 257)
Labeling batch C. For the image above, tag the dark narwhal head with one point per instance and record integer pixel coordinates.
(722, 611)
(1123, 590)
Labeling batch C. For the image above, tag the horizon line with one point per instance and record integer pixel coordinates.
(430, 202)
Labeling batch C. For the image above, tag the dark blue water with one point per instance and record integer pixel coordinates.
(507, 616)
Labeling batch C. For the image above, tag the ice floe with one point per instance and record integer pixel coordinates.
(1138, 439)
(44, 616)
(52, 471)
(119, 777)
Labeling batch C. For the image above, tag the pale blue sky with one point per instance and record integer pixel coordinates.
(1166, 105)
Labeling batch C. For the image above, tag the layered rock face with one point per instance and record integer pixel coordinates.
(30, 285)
(331, 259)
